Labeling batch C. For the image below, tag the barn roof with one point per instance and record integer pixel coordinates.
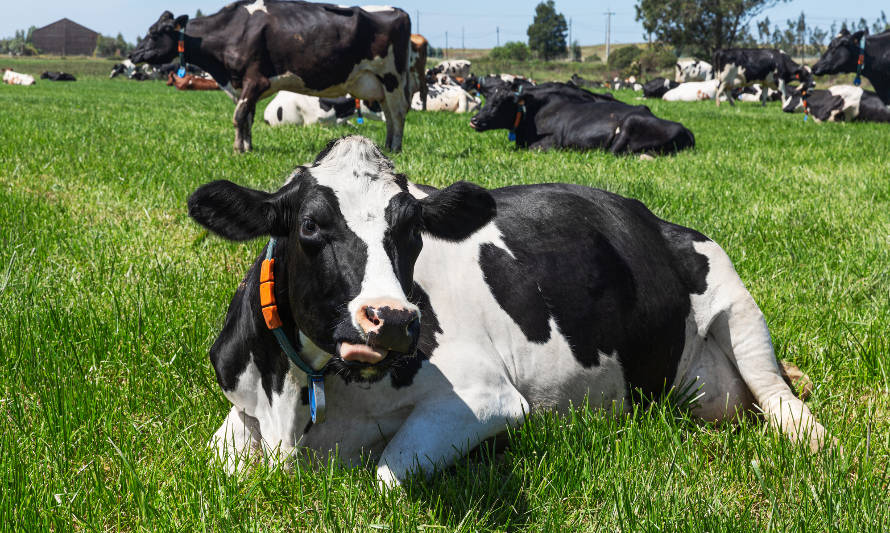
(68, 22)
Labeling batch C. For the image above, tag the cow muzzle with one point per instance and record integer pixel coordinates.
(387, 327)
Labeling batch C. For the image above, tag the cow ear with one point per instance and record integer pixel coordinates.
(457, 211)
(858, 35)
(181, 21)
(235, 212)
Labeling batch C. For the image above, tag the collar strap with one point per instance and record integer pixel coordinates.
(806, 107)
(358, 111)
(180, 47)
(273, 322)
(860, 62)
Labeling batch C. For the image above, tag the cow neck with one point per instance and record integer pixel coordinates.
(314, 378)
(520, 114)
(194, 52)
(860, 62)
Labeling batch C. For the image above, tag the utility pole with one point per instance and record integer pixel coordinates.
(446, 45)
(570, 32)
(462, 45)
(497, 30)
(608, 32)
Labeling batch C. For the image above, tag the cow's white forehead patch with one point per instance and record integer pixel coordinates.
(258, 5)
(375, 9)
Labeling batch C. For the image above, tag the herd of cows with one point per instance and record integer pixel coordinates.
(524, 298)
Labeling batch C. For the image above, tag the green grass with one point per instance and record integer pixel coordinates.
(110, 298)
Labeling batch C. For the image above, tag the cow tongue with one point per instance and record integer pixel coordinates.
(361, 353)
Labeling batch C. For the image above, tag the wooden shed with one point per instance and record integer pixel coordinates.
(65, 37)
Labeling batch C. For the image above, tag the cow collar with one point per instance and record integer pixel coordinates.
(860, 63)
(180, 47)
(520, 112)
(314, 377)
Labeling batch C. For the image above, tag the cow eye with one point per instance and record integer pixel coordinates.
(308, 228)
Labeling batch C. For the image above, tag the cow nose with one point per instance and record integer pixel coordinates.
(392, 327)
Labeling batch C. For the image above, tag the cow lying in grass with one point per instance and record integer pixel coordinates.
(17, 78)
(303, 110)
(558, 116)
(839, 103)
(446, 98)
(418, 322)
(190, 82)
(57, 76)
(657, 87)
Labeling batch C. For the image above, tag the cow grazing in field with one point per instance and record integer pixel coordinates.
(447, 98)
(692, 91)
(57, 76)
(739, 67)
(655, 88)
(434, 319)
(419, 50)
(692, 70)
(17, 78)
(255, 48)
(839, 103)
(303, 110)
(843, 56)
(190, 82)
(553, 117)
(456, 68)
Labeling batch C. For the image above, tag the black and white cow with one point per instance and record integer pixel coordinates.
(254, 48)
(446, 98)
(487, 85)
(578, 81)
(456, 68)
(57, 76)
(546, 117)
(692, 70)
(655, 88)
(302, 110)
(839, 103)
(843, 55)
(738, 67)
(442, 317)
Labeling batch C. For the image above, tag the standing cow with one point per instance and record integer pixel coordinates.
(843, 56)
(253, 49)
(692, 70)
(740, 67)
(479, 306)
(419, 50)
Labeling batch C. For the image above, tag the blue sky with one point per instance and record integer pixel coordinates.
(478, 20)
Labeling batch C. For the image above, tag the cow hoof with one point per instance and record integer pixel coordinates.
(386, 479)
(646, 157)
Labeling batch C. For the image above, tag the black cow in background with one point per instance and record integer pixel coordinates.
(487, 85)
(253, 49)
(556, 117)
(655, 88)
(843, 55)
(740, 67)
(578, 81)
(57, 76)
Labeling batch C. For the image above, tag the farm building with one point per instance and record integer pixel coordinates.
(65, 37)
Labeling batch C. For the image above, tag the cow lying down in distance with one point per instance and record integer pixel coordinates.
(839, 103)
(559, 116)
(303, 110)
(438, 318)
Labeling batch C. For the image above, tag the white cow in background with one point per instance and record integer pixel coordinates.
(447, 98)
(303, 110)
(17, 78)
(692, 91)
(692, 70)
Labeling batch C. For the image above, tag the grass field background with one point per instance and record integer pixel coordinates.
(110, 298)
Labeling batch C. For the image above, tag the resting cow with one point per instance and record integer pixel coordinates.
(57, 76)
(578, 81)
(190, 82)
(692, 91)
(839, 103)
(739, 67)
(255, 48)
(655, 88)
(692, 70)
(487, 85)
(843, 56)
(552, 117)
(430, 320)
(17, 78)
(456, 68)
(303, 110)
(447, 98)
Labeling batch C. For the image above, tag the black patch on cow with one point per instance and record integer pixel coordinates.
(516, 291)
(280, 113)
(390, 82)
(403, 372)
(304, 395)
(614, 277)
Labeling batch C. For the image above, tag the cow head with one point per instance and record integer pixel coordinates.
(499, 111)
(841, 55)
(349, 235)
(159, 46)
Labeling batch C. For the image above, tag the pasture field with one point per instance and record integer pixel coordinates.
(110, 298)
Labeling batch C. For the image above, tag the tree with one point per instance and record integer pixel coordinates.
(547, 33)
(512, 50)
(700, 27)
(576, 52)
(198, 13)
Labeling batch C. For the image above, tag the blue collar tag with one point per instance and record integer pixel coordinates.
(360, 121)
(511, 136)
(181, 72)
(316, 398)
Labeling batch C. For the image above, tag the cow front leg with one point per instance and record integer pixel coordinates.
(244, 112)
(445, 429)
(237, 442)
(397, 105)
